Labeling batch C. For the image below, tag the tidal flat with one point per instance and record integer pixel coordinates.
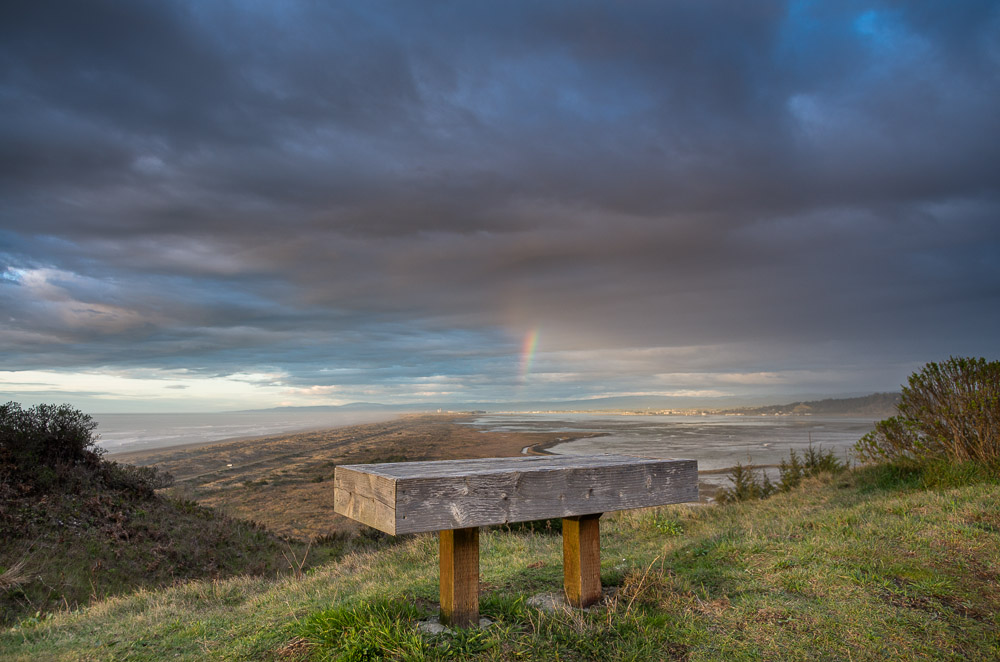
(285, 481)
(718, 442)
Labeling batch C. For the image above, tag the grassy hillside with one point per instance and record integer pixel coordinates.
(88, 537)
(868, 566)
(75, 528)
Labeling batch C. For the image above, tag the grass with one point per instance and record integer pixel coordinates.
(870, 565)
(65, 550)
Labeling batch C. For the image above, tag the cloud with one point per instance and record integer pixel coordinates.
(363, 196)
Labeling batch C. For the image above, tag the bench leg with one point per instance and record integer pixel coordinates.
(459, 550)
(582, 559)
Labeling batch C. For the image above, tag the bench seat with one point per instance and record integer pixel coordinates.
(455, 497)
(414, 497)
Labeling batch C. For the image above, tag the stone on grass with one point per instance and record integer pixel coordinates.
(433, 626)
(555, 601)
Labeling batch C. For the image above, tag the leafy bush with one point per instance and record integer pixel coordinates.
(46, 446)
(948, 411)
(46, 434)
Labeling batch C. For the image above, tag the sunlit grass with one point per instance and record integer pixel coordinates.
(858, 567)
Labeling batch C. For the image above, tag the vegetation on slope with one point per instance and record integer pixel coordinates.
(77, 528)
(876, 564)
(895, 561)
(749, 482)
(948, 411)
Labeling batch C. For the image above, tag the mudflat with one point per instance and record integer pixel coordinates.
(285, 481)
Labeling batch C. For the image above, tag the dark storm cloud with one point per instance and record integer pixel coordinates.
(379, 193)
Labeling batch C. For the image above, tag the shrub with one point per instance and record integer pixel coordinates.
(45, 435)
(747, 486)
(948, 411)
(140, 480)
(49, 446)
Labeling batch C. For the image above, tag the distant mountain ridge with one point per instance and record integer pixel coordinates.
(879, 405)
(876, 404)
(628, 402)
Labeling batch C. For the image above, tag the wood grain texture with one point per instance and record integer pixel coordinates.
(453, 494)
(366, 497)
(582, 559)
(437, 468)
(459, 557)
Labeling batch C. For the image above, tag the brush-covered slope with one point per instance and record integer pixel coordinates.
(97, 532)
(76, 528)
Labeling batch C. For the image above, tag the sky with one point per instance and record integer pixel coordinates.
(216, 205)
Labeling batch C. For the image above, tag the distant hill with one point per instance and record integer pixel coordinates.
(878, 405)
(625, 403)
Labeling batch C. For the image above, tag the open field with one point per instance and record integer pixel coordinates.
(865, 566)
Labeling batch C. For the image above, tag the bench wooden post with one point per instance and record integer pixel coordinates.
(582, 559)
(459, 555)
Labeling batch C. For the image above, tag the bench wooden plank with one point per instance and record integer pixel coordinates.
(412, 497)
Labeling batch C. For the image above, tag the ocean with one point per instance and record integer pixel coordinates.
(122, 433)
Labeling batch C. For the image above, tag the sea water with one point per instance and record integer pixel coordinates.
(123, 433)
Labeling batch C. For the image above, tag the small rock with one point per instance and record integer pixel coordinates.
(556, 600)
(431, 626)
(548, 602)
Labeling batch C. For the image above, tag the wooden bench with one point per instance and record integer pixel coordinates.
(455, 497)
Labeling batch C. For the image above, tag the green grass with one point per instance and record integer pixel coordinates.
(71, 549)
(869, 565)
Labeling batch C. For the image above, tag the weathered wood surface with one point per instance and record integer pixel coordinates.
(364, 496)
(411, 497)
(459, 557)
(582, 559)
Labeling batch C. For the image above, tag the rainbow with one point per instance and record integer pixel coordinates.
(528, 352)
